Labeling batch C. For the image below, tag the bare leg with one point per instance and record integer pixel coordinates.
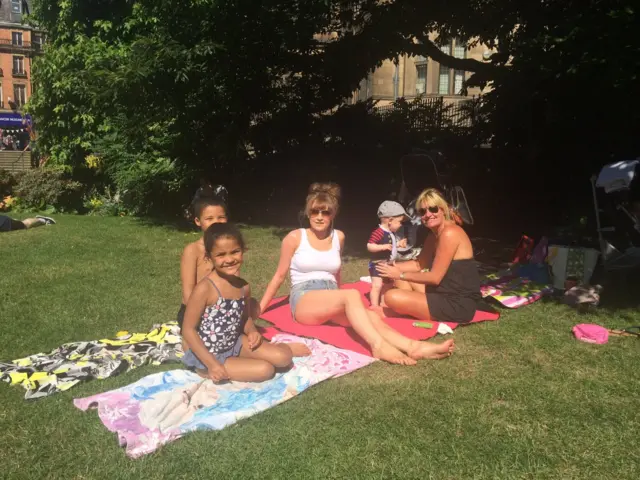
(260, 364)
(33, 222)
(341, 306)
(408, 303)
(376, 286)
(414, 348)
(299, 349)
(277, 354)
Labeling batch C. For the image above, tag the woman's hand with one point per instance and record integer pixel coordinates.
(388, 271)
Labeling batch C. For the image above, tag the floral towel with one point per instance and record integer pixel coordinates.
(163, 407)
(44, 374)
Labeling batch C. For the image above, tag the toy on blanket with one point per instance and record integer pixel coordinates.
(163, 407)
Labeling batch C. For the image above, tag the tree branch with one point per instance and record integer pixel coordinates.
(427, 48)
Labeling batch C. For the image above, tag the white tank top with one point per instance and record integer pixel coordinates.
(311, 264)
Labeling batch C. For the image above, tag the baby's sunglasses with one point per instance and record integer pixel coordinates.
(423, 211)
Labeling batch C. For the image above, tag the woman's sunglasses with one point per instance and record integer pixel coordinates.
(316, 211)
(423, 211)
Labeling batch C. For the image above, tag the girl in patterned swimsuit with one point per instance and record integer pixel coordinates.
(223, 339)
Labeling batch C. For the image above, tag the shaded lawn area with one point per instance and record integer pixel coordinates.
(520, 398)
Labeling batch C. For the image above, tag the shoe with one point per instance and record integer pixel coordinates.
(47, 220)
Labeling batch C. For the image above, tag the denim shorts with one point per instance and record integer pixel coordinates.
(297, 291)
(192, 361)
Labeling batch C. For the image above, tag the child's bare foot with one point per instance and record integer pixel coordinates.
(378, 309)
(390, 354)
(299, 349)
(432, 351)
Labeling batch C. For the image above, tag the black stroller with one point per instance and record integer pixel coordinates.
(616, 198)
(419, 170)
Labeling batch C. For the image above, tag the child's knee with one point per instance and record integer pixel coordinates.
(265, 371)
(282, 356)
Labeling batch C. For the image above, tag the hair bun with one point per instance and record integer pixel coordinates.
(332, 189)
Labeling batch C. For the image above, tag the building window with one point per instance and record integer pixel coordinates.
(443, 77)
(16, 38)
(36, 40)
(421, 78)
(16, 6)
(18, 65)
(457, 50)
(20, 94)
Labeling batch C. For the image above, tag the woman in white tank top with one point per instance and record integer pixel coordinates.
(312, 257)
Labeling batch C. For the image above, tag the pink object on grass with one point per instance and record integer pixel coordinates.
(591, 333)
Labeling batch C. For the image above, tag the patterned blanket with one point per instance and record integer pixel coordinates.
(163, 407)
(513, 291)
(45, 374)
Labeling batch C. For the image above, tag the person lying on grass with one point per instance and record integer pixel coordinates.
(443, 283)
(312, 257)
(8, 224)
(223, 339)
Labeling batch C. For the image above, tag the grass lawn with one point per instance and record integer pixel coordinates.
(521, 398)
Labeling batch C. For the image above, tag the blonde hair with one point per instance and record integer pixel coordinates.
(433, 198)
(323, 194)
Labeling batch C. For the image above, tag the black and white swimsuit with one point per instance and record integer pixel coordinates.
(222, 323)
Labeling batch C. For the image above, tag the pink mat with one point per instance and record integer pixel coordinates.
(279, 314)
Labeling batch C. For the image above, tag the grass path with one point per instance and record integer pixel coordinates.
(520, 399)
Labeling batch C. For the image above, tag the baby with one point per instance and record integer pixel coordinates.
(383, 244)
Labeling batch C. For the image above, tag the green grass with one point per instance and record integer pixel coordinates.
(520, 399)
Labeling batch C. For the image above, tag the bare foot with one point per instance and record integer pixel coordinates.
(378, 309)
(391, 354)
(299, 349)
(432, 351)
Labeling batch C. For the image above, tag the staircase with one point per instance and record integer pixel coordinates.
(15, 160)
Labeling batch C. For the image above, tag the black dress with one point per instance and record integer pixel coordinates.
(458, 296)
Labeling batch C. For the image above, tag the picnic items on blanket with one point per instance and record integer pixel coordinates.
(279, 314)
(591, 333)
(524, 250)
(580, 295)
(571, 262)
(163, 407)
(45, 374)
(511, 290)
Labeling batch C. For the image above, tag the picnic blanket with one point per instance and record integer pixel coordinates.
(513, 291)
(45, 374)
(163, 407)
(279, 314)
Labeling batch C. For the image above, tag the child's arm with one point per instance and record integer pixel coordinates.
(250, 329)
(373, 244)
(289, 246)
(193, 314)
(375, 248)
(188, 271)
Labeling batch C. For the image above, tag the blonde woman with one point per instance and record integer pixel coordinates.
(443, 283)
(312, 257)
